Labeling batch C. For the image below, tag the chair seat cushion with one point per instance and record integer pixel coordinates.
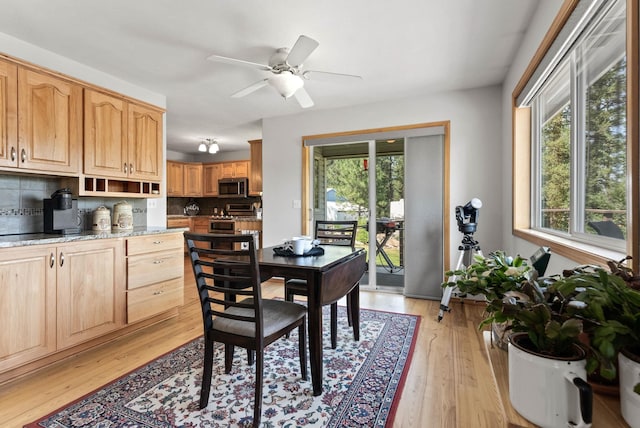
(277, 314)
(298, 286)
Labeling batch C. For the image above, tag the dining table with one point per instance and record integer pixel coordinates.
(329, 277)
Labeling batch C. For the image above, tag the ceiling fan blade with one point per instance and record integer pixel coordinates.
(303, 98)
(250, 89)
(328, 76)
(301, 50)
(219, 58)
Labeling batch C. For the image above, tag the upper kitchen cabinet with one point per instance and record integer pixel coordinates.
(193, 179)
(255, 170)
(236, 169)
(122, 139)
(184, 179)
(175, 179)
(8, 114)
(49, 123)
(123, 147)
(145, 143)
(105, 134)
(212, 172)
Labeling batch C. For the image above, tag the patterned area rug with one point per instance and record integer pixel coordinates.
(361, 385)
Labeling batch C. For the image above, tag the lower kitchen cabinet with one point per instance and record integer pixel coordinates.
(53, 297)
(155, 279)
(90, 290)
(27, 304)
(57, 299)
(201, 225)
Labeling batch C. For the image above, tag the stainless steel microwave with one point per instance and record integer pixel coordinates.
(233, 187)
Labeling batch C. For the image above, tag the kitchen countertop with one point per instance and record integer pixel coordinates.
(240, 218)
(20, 240)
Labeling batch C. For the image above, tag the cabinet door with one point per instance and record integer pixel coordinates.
(49, 122)
(145, 143)
(175, 171)
(28, 302)
(228, 170)
(91, 290)
(193, 179)
(105, 134)
(8, 114)
(201, 225)
(255, 168)
(241, 169)
(211, 174)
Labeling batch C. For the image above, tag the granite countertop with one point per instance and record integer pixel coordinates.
(240, 218)
(8, 241)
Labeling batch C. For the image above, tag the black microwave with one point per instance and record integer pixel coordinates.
(233, 187)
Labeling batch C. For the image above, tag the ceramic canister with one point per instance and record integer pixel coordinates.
(122, 217)
(101, 219)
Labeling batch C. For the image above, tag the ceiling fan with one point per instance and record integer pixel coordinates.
(287, 74)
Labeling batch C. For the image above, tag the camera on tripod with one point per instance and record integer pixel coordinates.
(467, 216)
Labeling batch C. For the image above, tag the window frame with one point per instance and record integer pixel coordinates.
(579, 251)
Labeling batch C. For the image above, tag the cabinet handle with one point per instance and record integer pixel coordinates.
(52, 260)
(157, 293)
(157, 242)
(23, 155)
(125, 167)
(13, 154)
(157, 262)
(131, 170)
(61, 258)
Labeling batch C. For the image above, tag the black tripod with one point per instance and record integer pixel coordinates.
(468, 248)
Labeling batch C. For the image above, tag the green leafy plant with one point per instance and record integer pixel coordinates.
(545, 311)
(492, 277)
(540, 307)
(611, 314)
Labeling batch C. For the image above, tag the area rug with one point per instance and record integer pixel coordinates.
(361, 384)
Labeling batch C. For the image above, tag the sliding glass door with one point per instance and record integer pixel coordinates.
(394, 183)
(363, 181)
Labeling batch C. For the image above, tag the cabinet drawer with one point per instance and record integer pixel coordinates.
(154, 299)
(158, 242)
(179, 222)
(155, 267)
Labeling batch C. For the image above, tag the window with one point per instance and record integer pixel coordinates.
(578, 137)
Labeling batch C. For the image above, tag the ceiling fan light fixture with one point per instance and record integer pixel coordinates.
(286, 83)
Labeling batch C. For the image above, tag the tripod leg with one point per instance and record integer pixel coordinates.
(446, 294)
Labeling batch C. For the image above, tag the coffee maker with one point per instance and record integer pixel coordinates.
(61, 213)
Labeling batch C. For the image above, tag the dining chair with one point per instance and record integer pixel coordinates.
(327, 232)
(234, 313)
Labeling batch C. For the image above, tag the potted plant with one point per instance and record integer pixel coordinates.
(492, 277)
(547, 363)
(613, 328)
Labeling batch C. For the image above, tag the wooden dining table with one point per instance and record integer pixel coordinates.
(329, 277)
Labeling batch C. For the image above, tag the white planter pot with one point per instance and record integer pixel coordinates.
(549, 392)
(629, 400)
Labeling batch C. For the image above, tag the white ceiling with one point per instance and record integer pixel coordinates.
(401, 48)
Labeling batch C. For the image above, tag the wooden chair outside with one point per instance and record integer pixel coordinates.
(328, 232)
(233, 311)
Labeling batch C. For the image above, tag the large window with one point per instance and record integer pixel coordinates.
(579, 137)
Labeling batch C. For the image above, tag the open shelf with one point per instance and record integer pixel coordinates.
(100, 186)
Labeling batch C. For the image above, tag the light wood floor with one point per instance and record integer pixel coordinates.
(449, 383)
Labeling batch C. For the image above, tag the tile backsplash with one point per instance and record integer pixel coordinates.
(21, 204)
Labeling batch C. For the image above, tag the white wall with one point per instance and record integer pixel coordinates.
(476, 156)
(156, 208)
(544, 16)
